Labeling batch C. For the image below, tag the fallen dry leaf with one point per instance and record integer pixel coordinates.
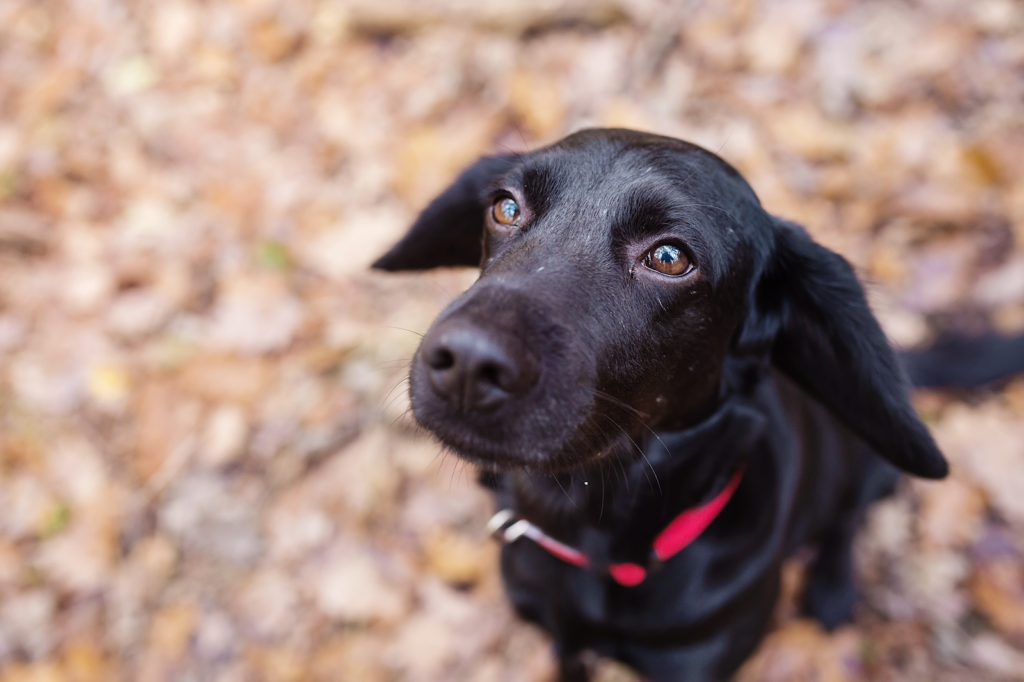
(998, 591)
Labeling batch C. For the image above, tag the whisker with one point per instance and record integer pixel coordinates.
(718, 208)
(403, 384)
(444, 291)
(615, 401)
(616, 467)
(653, 433)
(393, 364)
(660, 491)
(620, 473)
(440, 452)
(638, 449)
(388, 395)
(622, 467)
(461, 468)
(407, 411)
(640, 415)
(512, 152)
(616, 461)
(700, 163)
(443, 453)
(388, 326)
(559, 483)
(521, 137)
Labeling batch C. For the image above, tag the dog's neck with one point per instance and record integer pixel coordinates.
(614, 507)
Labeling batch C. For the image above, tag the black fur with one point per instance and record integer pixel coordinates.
(602, 398)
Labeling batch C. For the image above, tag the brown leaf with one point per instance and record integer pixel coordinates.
(273, 40)
(801, 650)
(456, 558)
(951, 513)
(160, 427)
(226, 379)
(277, 664)
(84, 661)
(43, 671)
(537, 101)
(23, 231)
(352, 656)
(430, 157)
(998, 591)
(171, 629)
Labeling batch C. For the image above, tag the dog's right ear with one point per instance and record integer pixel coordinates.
(808, 311)
(450, 230)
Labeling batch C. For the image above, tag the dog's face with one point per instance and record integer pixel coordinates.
(606, 280)
(619, 270)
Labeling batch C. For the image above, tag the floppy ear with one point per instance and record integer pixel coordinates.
(450, 230)
(808, 309)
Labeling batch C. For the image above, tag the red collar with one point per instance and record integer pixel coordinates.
(682, 531)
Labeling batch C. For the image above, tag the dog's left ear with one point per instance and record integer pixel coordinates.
(450, 230)
(809, 311)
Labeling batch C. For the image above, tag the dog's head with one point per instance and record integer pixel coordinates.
(620, 271)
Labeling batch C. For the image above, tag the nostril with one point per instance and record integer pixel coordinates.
(441, 359)
(491, 373)
(476, 368)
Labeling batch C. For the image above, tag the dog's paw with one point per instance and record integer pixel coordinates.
(829, 603)
(576, 667)
(573, 670)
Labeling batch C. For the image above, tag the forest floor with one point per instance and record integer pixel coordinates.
(207, 471)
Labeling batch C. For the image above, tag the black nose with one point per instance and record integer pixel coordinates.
(475, 368)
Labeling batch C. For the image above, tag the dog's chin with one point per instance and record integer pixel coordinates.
(553, 458)
(515, 437)
(492, 457)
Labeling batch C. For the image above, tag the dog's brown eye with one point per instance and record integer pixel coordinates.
(506, 212)
(668, 260)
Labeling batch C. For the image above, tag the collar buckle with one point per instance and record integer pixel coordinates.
(501, 524)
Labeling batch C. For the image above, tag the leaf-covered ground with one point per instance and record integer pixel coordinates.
(205, 471)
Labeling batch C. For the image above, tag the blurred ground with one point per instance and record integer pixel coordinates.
(204, 469)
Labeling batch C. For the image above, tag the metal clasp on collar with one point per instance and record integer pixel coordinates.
(506, 526)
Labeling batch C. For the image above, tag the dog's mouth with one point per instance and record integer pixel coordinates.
(491, 456)
(532, 439)
(503, 453)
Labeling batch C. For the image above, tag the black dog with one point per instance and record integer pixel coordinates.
(647, 354)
